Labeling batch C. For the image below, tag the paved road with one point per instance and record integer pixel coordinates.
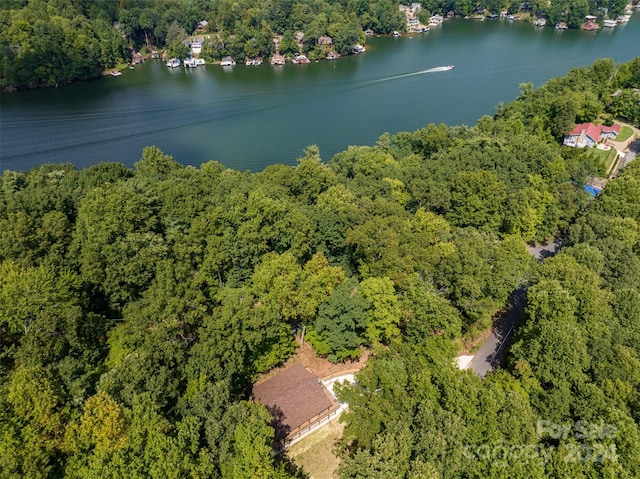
(634, 149)
(494, 350)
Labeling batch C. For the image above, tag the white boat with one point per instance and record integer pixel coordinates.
(116, 73)
(449, 67)
(173, 63)
(396, 34)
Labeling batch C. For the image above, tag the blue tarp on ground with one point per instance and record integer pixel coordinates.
(592, 190)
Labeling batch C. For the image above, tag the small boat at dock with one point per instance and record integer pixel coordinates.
(116, 73)
(190, 63)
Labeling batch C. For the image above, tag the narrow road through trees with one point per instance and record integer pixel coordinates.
(494, 349)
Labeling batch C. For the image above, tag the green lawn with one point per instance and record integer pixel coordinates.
(625, 134)
(315, 452)
(609, 161)
(606, 158)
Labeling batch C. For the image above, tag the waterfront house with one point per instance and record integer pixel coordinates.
(253, 62)
(588, 134)
(193, 62)
(332, 56)
(368, 32)
(277, 59)
(196, 45)
(301, 59)
(410, 12)
(227, 62)
(610, 23)
(436, 20)
(590, 23)
(358, 49)
(561, 26)
(173, 63)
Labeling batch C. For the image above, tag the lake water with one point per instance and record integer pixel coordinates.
(250, 117)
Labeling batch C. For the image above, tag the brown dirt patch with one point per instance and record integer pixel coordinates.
(321, 367)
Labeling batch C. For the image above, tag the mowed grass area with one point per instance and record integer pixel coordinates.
(315, 454)
(610, 160)
(605, 157)
(625, 134)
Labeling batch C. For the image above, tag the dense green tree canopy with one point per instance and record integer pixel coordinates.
(137, 306)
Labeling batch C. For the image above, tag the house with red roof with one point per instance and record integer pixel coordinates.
(609, 131)
(588, 134)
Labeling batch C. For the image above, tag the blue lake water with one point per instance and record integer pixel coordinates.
(250, 117)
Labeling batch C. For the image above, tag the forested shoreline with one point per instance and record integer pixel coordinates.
(50, 43)
(137, 306)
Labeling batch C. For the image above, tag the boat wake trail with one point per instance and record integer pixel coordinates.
(406, 75)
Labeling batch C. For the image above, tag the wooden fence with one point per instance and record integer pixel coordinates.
(329, 413)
